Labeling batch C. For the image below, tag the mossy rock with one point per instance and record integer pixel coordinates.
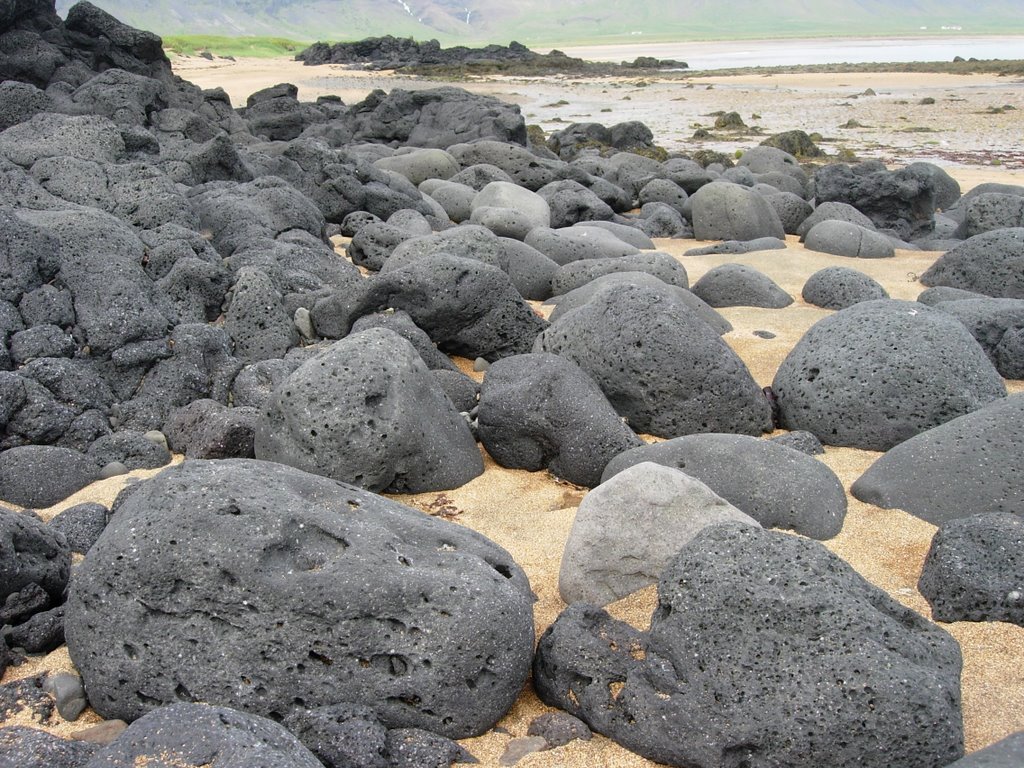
(535, 135)
(706, 157)
(796, 143)
(730, 121)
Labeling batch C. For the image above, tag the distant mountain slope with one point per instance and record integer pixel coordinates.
(539, 22)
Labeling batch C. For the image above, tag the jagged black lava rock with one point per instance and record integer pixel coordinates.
(26, 747)
(368, 411)
(974, 570)
(660, 366)
(206, 429)
(989, 263)
(542, 410)
(966, 466)
(81, 525)
(254, 585)
(764, 649)
(32, 554)
(879, 372)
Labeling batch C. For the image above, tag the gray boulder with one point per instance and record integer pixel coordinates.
(522, 166)
(254, 383)
(418, 165)
(832, 210)
(466, 307)
(841, 287)
(28, 747)
(628, 233)
(991, 211)
(940, 293)
(947, 189)
(400, 322)
(288, 591)
(371, 246)
(575, 274)
(29, 256)
(41, 475)
(879, 372)
(964, 467)
(1007, 753)
(456, 199)
(737, 285)
(85, 137)
(997, 325)
(661, 367)
(663, 191)
(575, 243)
(33, 558)
(206, 429)
(845, 239)
(989, 263)
(571, 202)
(779, 487)
(739, 246)
(256, 320)
(723, 211)
(902, 201)
(388, 425)
(502, 194)
(20, 102)
(764, 648)
(81, 525)
(628, 528)
(132, 449)
(791, 208)
(479, 175)
(542, 411)
(974, 570)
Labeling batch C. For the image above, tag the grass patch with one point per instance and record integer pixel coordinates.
(255, 47)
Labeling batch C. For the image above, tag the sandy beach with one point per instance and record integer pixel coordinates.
(530, 514)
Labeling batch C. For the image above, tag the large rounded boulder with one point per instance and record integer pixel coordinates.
(257, 586)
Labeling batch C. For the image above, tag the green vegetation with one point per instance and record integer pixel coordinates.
(256, 47)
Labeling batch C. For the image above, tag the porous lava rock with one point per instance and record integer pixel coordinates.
(777, 486)
(661, 265)
(991, 263)
(738, 285)
(367, 411)
(257, 586)
(879, 372)
(998, 326)
(542, 410)
(41, 475)
(724, 211)
(32, 555)
(764, 648)
(841, 287)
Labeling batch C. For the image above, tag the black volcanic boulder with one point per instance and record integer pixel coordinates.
(879, 372)
(541, 410)
(367, 411)
(764, 649)
(778, 486)
(659, 364)
(975, 569)
(737, 285)
(991, 211)
(199, 735)
(841, 287)
(998, 326)
(42, 475)
(725, 211)
(666, 268)
(29, 256)
(991, 263)
(275, 113)
(257, 586)
(964, 467)
(33, 556)
(467, 307)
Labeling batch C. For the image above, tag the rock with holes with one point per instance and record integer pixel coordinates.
(833, 210)
(628, 528)
(842, 238)
(726, 211)
(661, 265)
(975, 569)
(660, 365)
(256, 320)
(991, 263)
(991, 211)
(41, 475)
(27, 747)
(254, 585)
(737, 285)
(841, 287)
(998, 326)
(879, 372)
(964, 467)
(778, 486)
(367, 411)
(32, 556)
(764, 649)
(541, 410)
(187, 734)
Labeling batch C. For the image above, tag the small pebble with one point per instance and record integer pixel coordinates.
(113, 469)
(157, 437)
(304, 324)
(68, 692)
(480, 365)
(519, 748)
(558, 728)
(764, 334)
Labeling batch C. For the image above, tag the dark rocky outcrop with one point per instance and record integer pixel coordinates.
(988, 263)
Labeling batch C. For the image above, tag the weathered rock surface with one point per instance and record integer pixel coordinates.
(841, 287)
(722, 211)
(42, 475)
(666, 268)
(737, 285)
(997, 325)
(845, 239)
(902, 200)
(988, 263)
(286, 591)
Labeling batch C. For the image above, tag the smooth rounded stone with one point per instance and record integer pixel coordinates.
(879, 372)
(663, 191)
(988, 263)
(777, 486)
(996, 325)
(84, 137)
(113, 469)
(411, 221)
(371, 246)
(418, 165)
(571, 202)
(503, 222)
(558, 728)
(460, 388)
(801, 441)
(625, 232)
(520, 747)
(479, 175)
(737, 285)
(47, 305)
(628, 528)
(529, 269)
(287, 591)
(791, 209)
(41, 475)
(502, 194)
(194, 734)
(573, 244)
(659, 364)
(466, 307)
(739, 246)
(576, 274)
(765, 648)
(524, 168)
(833, 211)
(941, 293)
(41, 341)
(724, 211)
(303, 324)
(542, 411)
(579, 296)
(778, 181)
(68, 694)
(455, 199)
(660, 220)
(767, 159)
(81, 525)
(389, 425)
(132, 449)
(845, 239)
(400, 322)
(206, 429)
(841, 287)
(31, 553)
(991, 211)
(966, 466)
(739, 175)
(974, 570)
(28, 747)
